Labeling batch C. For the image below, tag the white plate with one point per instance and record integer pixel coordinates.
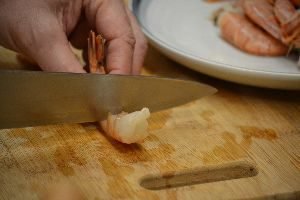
(182, 30)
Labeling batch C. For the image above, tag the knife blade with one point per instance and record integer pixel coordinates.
(43, 98)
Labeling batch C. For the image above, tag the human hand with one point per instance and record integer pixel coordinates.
(42, 30)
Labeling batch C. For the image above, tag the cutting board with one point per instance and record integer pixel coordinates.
(240, 143)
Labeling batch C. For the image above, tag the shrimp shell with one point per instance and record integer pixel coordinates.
(239, 31)
(261, 13)
(289, 19)
(284, 10)
(96, 47)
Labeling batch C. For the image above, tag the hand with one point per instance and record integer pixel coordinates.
(42, 30)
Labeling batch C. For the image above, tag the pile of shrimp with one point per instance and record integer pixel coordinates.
(261, 27)
(125, 127)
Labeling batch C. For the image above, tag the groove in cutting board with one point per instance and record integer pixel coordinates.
(200, 175)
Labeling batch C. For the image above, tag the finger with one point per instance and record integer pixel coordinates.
(141, 45)
(51, 50)
(111, 20)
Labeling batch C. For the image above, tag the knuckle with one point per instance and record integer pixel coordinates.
(130, 40)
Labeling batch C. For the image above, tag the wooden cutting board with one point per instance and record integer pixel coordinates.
(243, 142)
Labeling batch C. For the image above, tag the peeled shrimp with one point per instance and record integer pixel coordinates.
(261, 13)
(127, 127)
(239, 31)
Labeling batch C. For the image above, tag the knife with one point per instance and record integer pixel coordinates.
(42, 98)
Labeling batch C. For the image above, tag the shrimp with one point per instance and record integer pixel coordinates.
(289, 20)
(127, 128)
(261, 13)
(239, 4)
(96, 53)
(124, 127)
(278, 17)
(284, 10)
(239, 31)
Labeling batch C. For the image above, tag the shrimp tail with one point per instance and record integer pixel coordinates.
(96, 46)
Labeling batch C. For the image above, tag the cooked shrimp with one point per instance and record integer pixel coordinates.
(261, 13)
(127, 127)
(284, 10)
(239, 4)
(289, 20)
(239, 31)
(96, 53)
(124, 127)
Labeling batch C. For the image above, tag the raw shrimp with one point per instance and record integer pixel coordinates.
(127, 127)
(261, 13)
(239, 31)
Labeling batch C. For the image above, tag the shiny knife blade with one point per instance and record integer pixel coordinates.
(42, 98)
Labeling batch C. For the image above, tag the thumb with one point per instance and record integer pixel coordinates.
(53, 53)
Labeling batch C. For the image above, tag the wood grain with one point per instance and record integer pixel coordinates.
(239, 124)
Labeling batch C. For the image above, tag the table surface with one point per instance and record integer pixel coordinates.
(240, 128)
